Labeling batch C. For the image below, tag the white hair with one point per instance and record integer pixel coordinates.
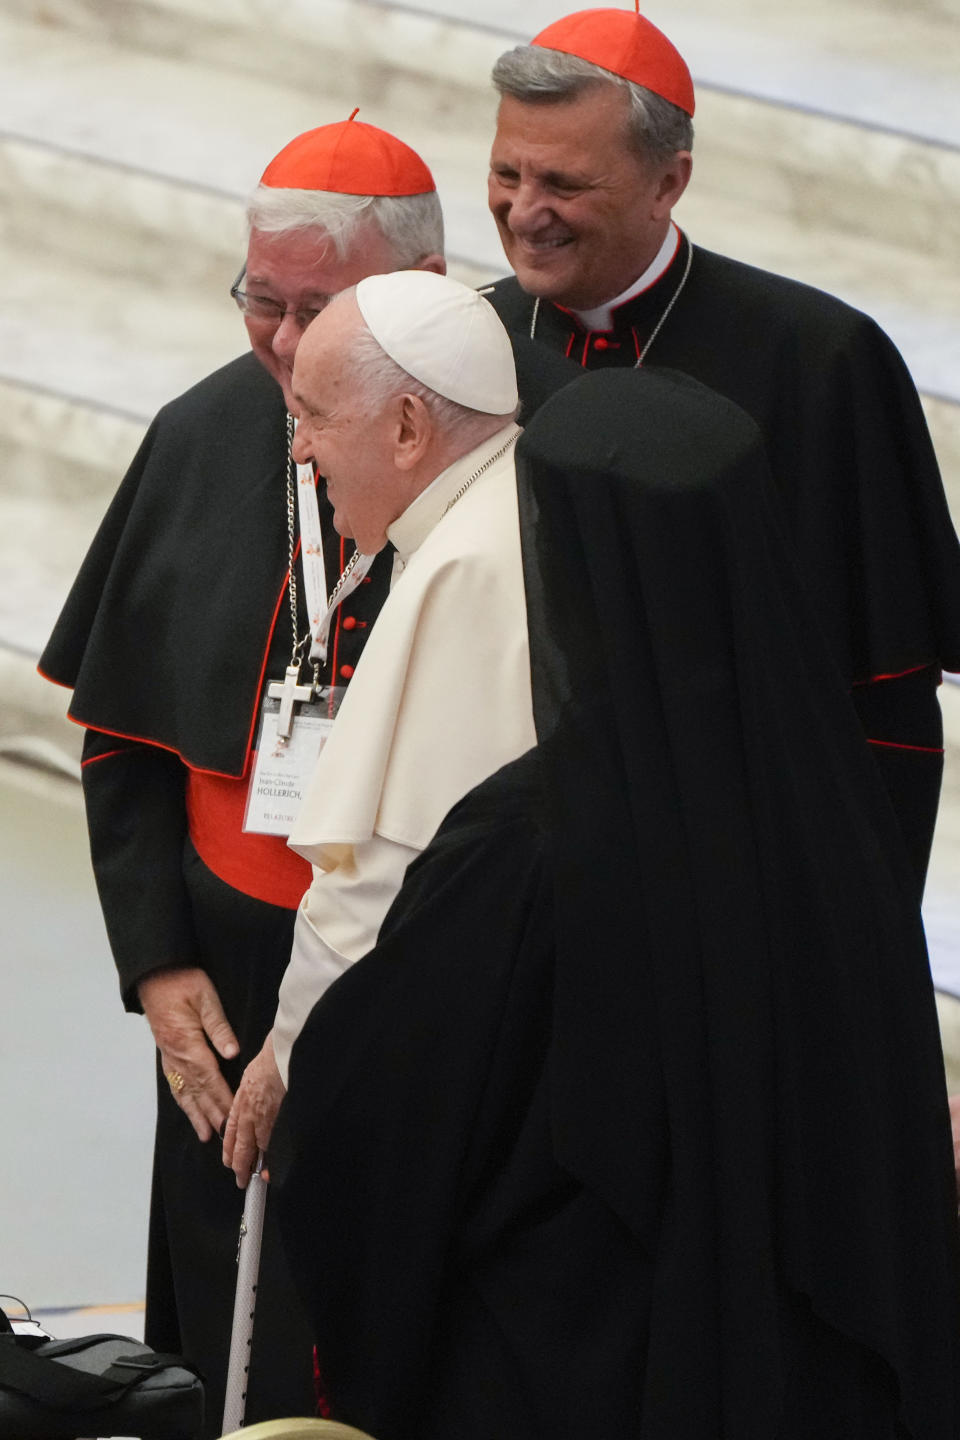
(656, 128)
(412, 225)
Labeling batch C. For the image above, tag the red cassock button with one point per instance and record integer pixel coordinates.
(346, 671)
(600, 343)
(349, 622)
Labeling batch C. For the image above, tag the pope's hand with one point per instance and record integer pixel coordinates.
(254, 1109)
(184, 1012)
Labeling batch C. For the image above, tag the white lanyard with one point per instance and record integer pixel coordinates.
(320, 609)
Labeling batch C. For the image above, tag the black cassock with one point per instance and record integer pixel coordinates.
(634, 1122)
(178, 617)
(853, 467)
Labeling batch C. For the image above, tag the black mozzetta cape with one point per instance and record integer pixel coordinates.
(854, 469)
(845, 435)
(160, 638)
(634, 1121)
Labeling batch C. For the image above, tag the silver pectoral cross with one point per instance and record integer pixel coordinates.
(288, 692)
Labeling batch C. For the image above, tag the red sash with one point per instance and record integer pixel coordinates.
(262, 866)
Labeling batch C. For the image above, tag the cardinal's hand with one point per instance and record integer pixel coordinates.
(184, 1012)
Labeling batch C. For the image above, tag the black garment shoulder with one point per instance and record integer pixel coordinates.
(243, 379)
(512, 304)
(852, 460)
(756, 288)
(174, 597)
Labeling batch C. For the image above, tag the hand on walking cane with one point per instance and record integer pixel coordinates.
(253, 1112)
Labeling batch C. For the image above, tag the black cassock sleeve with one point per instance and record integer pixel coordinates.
(904, 728)
(136, 817)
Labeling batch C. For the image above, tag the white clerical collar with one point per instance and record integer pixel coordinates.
(409, 530)
(601, 316)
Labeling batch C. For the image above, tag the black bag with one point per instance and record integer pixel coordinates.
(98, 1385)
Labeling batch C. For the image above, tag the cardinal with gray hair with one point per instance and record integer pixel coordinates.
(193, 605)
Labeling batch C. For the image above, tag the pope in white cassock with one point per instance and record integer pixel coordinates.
(406, 395)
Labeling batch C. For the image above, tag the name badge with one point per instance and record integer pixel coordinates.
(282, 768)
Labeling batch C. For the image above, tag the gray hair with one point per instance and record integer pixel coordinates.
(412, 225)
(378, 378)
(656, 128)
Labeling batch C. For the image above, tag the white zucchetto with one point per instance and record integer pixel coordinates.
(443, 334)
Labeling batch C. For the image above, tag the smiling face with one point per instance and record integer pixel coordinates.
(301, 269)
(580, 214)
(351, 441)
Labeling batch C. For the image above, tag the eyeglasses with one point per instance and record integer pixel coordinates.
(262, 307)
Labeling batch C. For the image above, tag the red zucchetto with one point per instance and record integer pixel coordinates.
(349, 158)
(627, 45)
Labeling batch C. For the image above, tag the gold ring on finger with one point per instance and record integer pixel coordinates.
(176, 1081)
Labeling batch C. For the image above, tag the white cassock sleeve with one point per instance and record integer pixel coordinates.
(337, 923)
